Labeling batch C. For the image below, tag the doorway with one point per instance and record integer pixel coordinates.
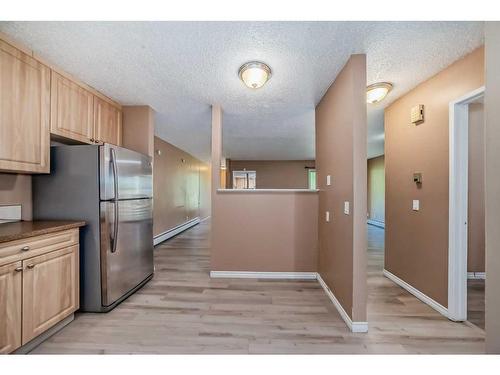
(465, 196)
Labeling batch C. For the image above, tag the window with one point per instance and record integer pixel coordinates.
(244, 179)
(312, 178)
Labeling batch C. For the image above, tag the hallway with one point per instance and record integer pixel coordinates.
(182, 310)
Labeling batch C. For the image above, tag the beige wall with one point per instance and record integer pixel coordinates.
(138, 129)
(179, 187)
(16, 189)
(492, 185)
(258, 231)
(275, 174)
(341, 153)
(376, 189)
(475, 221)
(263, 231)
(205, 195)
(416, 243)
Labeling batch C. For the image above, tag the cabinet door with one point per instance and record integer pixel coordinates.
(10, 307)
(71, 110)
(50, 290)
(24, 112)
(107, 122)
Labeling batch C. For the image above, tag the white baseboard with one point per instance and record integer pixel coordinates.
(476, 275)
(174, 231)
(376, 223)
(417, 293)
(356, 327)
(264, 275)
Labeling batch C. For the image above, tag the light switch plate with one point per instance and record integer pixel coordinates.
(327, 216)
(346, 208)
(328, 180)
(416, 205)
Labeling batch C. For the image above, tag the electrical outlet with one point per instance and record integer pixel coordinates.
(328, 180)
(327, 216)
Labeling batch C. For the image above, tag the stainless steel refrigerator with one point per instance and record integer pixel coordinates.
(111, 188)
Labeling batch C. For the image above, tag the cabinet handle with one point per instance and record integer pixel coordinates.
(96, 141)
(30, 266)
(18, 269)
(25, 248)
(91, 139)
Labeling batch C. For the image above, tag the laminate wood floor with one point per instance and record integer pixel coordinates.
(182, 310)
(475, 302)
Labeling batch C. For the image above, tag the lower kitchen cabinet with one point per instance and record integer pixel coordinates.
(50, 290)
(10, 306)
(39, 288)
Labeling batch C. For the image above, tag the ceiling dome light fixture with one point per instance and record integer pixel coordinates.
(254, 74)
(377, 92)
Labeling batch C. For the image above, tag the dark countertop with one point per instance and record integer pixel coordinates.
(25, 229)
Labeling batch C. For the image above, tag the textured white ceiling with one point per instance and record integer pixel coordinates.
(181, 68)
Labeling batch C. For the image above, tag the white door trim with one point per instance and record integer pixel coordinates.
(457, 216)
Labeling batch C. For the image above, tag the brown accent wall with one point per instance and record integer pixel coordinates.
(492, 185)
(275, 174)
(16, 189)
(376, 189)
(138, 129)
(180, 187)
(260, 231)
(341, 153)
(475, 221)
(416, 242)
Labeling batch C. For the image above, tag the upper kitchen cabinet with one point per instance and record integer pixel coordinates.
(107, 122)
(71, 110)
(24, 112)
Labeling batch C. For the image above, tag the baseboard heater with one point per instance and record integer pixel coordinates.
(376, 223)
(174, 231)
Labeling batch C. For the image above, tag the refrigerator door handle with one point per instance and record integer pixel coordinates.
(115, 200)
(116, 220)
(115, 173)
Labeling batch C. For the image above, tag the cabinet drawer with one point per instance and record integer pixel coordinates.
(29, 247)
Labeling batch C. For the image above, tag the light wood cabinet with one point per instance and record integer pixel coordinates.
(72, 110)
(39, 285)
(50, 290)
(24, 112)
(36, 101)
(107, 122)
(10, 307)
